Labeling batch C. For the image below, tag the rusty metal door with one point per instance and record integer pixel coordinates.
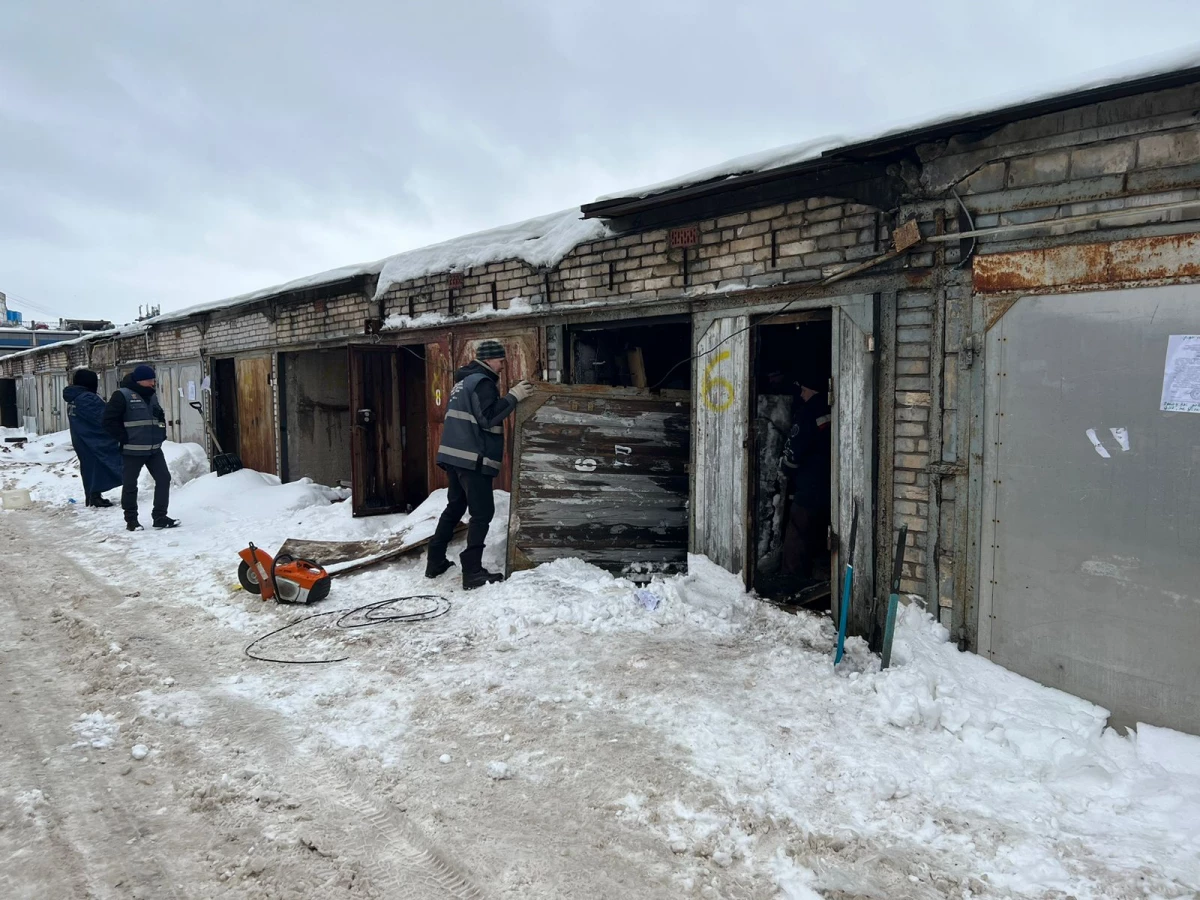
(721, 387)
(520, 363)
(376, 445)
(256, 413)
(439, 378)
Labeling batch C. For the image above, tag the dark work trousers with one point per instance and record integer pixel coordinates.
(803, 538)
(468, 490)
(156, 465)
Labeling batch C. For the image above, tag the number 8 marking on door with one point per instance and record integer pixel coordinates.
(717, 392)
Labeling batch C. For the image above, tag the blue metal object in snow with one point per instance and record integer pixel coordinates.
(847, 582)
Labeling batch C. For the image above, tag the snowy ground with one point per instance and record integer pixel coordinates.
(549, 737)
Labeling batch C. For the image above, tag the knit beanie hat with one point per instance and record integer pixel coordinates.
(490, 350)
(143, 373)
(86, 378)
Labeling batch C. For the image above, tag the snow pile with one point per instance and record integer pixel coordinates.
(185, 462)
(1176, 753)
(543, 241)
(715, 728)
(96, 730)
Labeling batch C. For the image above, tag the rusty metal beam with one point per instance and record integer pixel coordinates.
(1138, 260)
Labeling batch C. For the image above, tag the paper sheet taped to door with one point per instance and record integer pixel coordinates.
(1181, 377)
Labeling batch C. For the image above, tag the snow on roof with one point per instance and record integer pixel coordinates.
(543, 241)
(761, 161)
(343, 273)
(59, 345)
(764, 161)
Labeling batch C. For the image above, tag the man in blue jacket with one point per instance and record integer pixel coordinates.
(99, 455)
(471, 452)
(136, 420)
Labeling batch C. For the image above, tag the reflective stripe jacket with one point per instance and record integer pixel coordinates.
(473, 433)
(137, 423)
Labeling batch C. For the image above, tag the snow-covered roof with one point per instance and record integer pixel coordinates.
(761, 161)
(332, 276)
(543, 241)
(60, 345)
(792, 154)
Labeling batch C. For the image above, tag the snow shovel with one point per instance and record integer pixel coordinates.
(223, 462)
(846, 584)
(889, 628)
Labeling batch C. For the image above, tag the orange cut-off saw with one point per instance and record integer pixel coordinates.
(282, 578)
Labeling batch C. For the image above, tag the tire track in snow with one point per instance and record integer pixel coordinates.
(396, 856)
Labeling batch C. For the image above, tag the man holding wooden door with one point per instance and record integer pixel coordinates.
(471, 453)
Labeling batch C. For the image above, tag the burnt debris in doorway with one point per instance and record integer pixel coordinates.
(637, 354)
(791, 507)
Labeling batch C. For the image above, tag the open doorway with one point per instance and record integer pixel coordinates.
(652, 353)
(389, 428)
(314, 426)
(791, 473)
(8, 403)
(224, 412)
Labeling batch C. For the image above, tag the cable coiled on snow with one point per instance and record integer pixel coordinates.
(382, 612)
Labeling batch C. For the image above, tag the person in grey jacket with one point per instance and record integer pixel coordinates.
(136, 420)
(471, 452)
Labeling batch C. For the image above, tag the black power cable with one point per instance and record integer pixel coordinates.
(382, 612)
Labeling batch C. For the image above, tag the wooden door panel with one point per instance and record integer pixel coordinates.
(256, 413)
(721, 388)
(439, 378)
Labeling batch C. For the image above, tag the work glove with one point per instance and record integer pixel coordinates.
(522, 390)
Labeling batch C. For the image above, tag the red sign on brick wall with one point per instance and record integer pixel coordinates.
(688, 236)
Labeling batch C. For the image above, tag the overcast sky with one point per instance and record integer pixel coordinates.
(176, 153)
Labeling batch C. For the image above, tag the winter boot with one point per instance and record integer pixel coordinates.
(479, 578)
(97, 499)
(436, 567)
(133, 525)
(166, 522)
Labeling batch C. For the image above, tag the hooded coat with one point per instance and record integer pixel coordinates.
(100, 462)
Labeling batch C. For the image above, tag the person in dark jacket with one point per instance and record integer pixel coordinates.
(806, 462)
(471, 451)
(136, 420)
(99, 455)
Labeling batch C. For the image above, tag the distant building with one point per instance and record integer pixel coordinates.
(15, 335)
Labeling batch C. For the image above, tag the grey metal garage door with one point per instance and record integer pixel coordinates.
(1091, 550)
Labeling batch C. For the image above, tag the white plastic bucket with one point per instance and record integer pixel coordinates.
(16, 499)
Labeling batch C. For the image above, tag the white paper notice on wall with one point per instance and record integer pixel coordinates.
(1181, 377)
(204, 385)
(191, 391)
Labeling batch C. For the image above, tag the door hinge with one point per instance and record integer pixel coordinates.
(870, 343)
(971, 346)
(829, 398)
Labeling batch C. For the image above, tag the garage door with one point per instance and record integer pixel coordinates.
(1092, 507)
